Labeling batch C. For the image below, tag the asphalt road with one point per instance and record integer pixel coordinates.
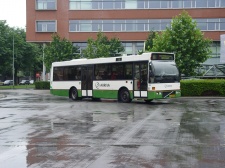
(39, 130)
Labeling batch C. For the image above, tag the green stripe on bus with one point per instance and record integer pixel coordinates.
(108, 94)
(63, 92)
(60, 92)
(113, 94)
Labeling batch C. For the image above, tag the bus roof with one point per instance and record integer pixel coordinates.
(85, 61)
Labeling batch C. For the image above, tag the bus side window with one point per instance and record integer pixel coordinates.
(113, 76)
(77, 73)
(98, 76)
(55, 77)
(128, 71)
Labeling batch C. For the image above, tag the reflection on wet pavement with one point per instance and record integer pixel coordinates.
(41, 130)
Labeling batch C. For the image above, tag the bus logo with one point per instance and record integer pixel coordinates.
(167, 86)
(98, 85)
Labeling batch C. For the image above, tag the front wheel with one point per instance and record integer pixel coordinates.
(74, 94)
(124, 96)
(148, 101)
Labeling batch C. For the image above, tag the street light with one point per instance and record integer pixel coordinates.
(13, 61)
(44, 68)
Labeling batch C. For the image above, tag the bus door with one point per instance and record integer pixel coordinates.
(87, 80)
(140, 79)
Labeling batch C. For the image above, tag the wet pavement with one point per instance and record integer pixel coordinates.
(39, 130)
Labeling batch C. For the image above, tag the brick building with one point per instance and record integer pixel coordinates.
(129, 20)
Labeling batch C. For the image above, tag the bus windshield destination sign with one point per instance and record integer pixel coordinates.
(162, 57)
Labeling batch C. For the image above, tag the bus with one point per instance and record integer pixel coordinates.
(147, 77)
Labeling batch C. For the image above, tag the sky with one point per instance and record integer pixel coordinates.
(14, 12)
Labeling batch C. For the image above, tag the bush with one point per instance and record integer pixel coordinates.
(203, 87)
(42, 85)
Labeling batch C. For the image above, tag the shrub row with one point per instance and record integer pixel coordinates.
(203, 87)
(42, 85)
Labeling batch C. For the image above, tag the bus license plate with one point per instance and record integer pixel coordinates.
(172, 96)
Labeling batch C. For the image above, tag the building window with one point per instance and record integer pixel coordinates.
(222, 24)
(215, 48)
(211, 3)
(131, 25)
(201, 4)
(86, 25)
(80, 5)
(107, 25)
(130, 4)
(119, 25)
(222, 4)
(202, 24)
(108, 4)
(130, 47)
(139, 25)
(81, 47)
(45, 26)
(74, 5)
(177, 4)
(213, 24)
(96, 25)
(154, 4)
(143, 4)
(46, 4)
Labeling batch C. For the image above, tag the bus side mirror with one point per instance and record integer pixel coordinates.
(151, 74)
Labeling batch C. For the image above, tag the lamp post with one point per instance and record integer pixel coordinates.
(44, 68)
(13, 61)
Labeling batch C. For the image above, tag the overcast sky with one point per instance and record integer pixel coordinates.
(14, 12)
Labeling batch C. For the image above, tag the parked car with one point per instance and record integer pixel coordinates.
(1, 83)
(24, 82)
(31, 82)
(8, 82)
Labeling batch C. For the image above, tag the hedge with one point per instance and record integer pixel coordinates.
(202, 87)
(42, 85)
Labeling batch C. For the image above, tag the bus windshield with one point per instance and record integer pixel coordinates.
(165, 72)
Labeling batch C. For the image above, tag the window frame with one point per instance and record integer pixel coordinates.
(45, 1)
(45, 21)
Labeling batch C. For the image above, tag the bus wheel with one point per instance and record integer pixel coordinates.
(148, 101)
(124, 96)
(74, 94)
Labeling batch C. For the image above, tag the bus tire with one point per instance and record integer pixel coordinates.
(74, 94)
(124, 96)
(148, 101)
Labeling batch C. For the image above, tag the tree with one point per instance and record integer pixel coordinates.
(102, 47)
(13, 41)
(149, 41)
(115, 47)
(59, 50)
(186, 41)
(6, 41)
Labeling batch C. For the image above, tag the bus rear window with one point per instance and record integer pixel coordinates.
(158, 56)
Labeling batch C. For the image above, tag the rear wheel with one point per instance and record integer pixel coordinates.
(148, 101)
(124, 96)
(74, 94)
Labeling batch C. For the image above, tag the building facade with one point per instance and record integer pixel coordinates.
(129, 20)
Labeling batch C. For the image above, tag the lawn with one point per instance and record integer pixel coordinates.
(18, 87)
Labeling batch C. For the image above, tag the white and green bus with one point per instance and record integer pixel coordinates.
(148, 76)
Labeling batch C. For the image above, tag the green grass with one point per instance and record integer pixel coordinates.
(18, 87)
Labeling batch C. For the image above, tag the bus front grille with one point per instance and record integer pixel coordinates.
(166, 94)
